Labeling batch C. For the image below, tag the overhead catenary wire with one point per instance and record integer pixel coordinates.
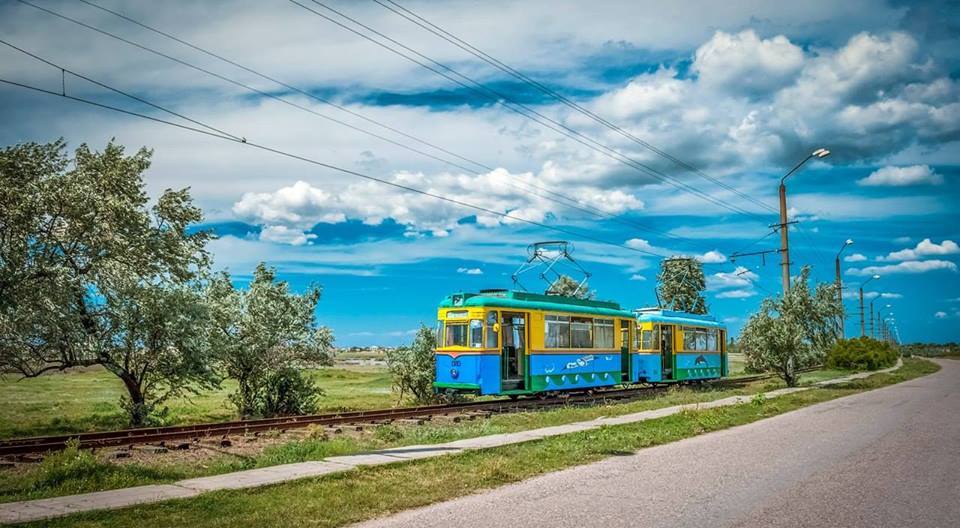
(208, 131)
(506, 102)
(433, 28)
(561, 198)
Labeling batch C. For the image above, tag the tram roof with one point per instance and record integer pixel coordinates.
(658, 315)
(533, 301)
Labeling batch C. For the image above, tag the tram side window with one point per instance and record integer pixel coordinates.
(491, 330)
(648, 340)
(558, 331)
(456, 335)
(476, 333)
(701, 337)
(603, 333)
(439, 334)
(689, 339)
(581, 332)
(712, 340)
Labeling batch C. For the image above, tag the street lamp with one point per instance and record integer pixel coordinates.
(820, 153)
(879, 318)
(840, 288)
(863, 329)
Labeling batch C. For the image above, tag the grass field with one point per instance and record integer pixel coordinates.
(341, 499)
(83, 473)
(88, 399)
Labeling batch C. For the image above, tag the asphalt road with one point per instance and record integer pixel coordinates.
(889, 457)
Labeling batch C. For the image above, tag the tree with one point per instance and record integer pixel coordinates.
(412, 367)
(570, 287)
(681, 284)
(92, 275)
(793, 331)
(262, 335)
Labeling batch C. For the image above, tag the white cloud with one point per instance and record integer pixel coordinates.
(637, 277)
(302, 206)
(924, 248)
(856, 257)
(744, 61)
(712, 257)
(736, 294)
(887, 295)
(470, 271)
(911, 266)
(285, 235)
(738, 284)
(902, 176)
(940, 315)
(902, 240)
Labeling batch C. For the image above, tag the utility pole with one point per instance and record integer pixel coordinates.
(843, 314)
(784, 238)
(872, 335)
(863, 332)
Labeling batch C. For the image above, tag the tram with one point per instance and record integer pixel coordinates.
(517, 343)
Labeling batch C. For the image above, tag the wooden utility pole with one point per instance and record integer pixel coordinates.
(784, 240)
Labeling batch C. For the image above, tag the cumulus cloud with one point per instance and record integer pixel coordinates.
(745, 62)
(737, 284)
(910, 266)
(712, 257)
(637, 277)
(285, 235)
(856, 257)
(924, 248)
(301, 206)
(470, 271)
(940, 315)
(902, 177)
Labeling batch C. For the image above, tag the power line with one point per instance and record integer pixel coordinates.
(460, 43)
(206, 130)
(568, 201)
(505, 101)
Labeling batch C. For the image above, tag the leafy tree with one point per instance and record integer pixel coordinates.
(412, 367)
(90, 274)
(570, 287)
(681, 285)
(793, 331)
(261, 335)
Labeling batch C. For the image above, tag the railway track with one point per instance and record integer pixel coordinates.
(222, 430)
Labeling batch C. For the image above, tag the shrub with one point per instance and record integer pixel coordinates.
(288, 392)
(862, 353)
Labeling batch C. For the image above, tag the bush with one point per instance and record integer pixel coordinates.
(288, 392)
(862, 353)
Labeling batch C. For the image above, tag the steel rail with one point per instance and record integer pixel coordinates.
(154, 435)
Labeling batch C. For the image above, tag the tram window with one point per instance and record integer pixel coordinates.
(647, 340)
(701, 337)
(558, 331)
(439, 334)
(689, 341)
(491, 330)
(476, 333)
(581, 333)
(603, 333)
(712, 340)
(456, 335)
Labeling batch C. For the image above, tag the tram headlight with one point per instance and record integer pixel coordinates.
(454, 373)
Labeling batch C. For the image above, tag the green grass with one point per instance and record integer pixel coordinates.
(88, 400)
(336, 500)
(736, 364)
(31, 484)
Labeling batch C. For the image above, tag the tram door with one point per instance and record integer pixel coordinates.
(513, 328)
(666, 351)
(625, 342)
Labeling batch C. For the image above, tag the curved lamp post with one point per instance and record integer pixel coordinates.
(820, 153)
(863, 329)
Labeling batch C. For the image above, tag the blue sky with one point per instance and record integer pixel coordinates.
(742, 91)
